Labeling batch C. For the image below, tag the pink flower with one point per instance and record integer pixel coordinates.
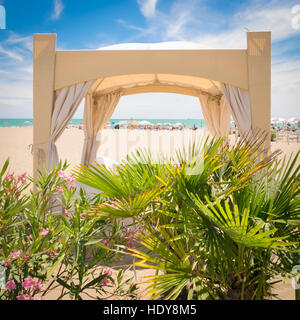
(129, 236)
(70, 179)
(106, 243)
(27, 256)
(105, 282)
(15, 254)
(59, 188)
(61, 174)
(10, 177)
(28, 283)
(23, 297)
(6, 263)
(37, 286)
(52, 200)
(22, 178)
(52, 252)
(10, 285)
(108, 272)
(44, 232)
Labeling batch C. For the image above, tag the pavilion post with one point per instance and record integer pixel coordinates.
(44, 49)
(259, 82)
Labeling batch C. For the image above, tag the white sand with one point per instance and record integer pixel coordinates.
(14, 143)
(115, 144)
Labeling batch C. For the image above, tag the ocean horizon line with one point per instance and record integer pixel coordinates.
(27, 122)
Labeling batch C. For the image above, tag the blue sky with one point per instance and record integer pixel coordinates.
(92, 24)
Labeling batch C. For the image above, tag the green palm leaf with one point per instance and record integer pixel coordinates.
(237, 225)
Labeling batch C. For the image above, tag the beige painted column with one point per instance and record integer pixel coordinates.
(259, 81)
(44, 48)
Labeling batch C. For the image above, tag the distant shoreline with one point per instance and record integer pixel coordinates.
(28, 122)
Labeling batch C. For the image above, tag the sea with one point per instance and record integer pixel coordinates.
(188, 123)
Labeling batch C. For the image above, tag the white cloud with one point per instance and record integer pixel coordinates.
(129, 26)
(24, 42)
(11, 54)
(147, 7)
(187, 20)
(192, 21)
(16, 76)
(58, 9)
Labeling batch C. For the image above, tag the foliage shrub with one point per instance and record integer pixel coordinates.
(273, 135)
(49, 241)
(217, 221)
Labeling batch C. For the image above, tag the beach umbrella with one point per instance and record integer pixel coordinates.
(178, 124)
(277, 119)
(294, 119)
(145, 123)
(167, 125)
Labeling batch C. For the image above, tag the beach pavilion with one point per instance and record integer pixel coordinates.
(227, 82)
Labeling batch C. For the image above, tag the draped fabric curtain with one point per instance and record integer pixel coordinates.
(66, 103)
(216, 114)
(239, 103)
(97, 112)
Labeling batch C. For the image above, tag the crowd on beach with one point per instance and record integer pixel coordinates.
(144, 125)
(280, 124)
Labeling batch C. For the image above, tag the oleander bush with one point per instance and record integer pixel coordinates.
(49, 241)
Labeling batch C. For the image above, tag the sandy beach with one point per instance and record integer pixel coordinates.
(15, 143)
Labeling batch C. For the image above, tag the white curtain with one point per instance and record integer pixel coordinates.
(66, 103)
(97, 112)
(216, 114)
(239, 103)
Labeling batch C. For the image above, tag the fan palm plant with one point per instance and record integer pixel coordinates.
(219, 222)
